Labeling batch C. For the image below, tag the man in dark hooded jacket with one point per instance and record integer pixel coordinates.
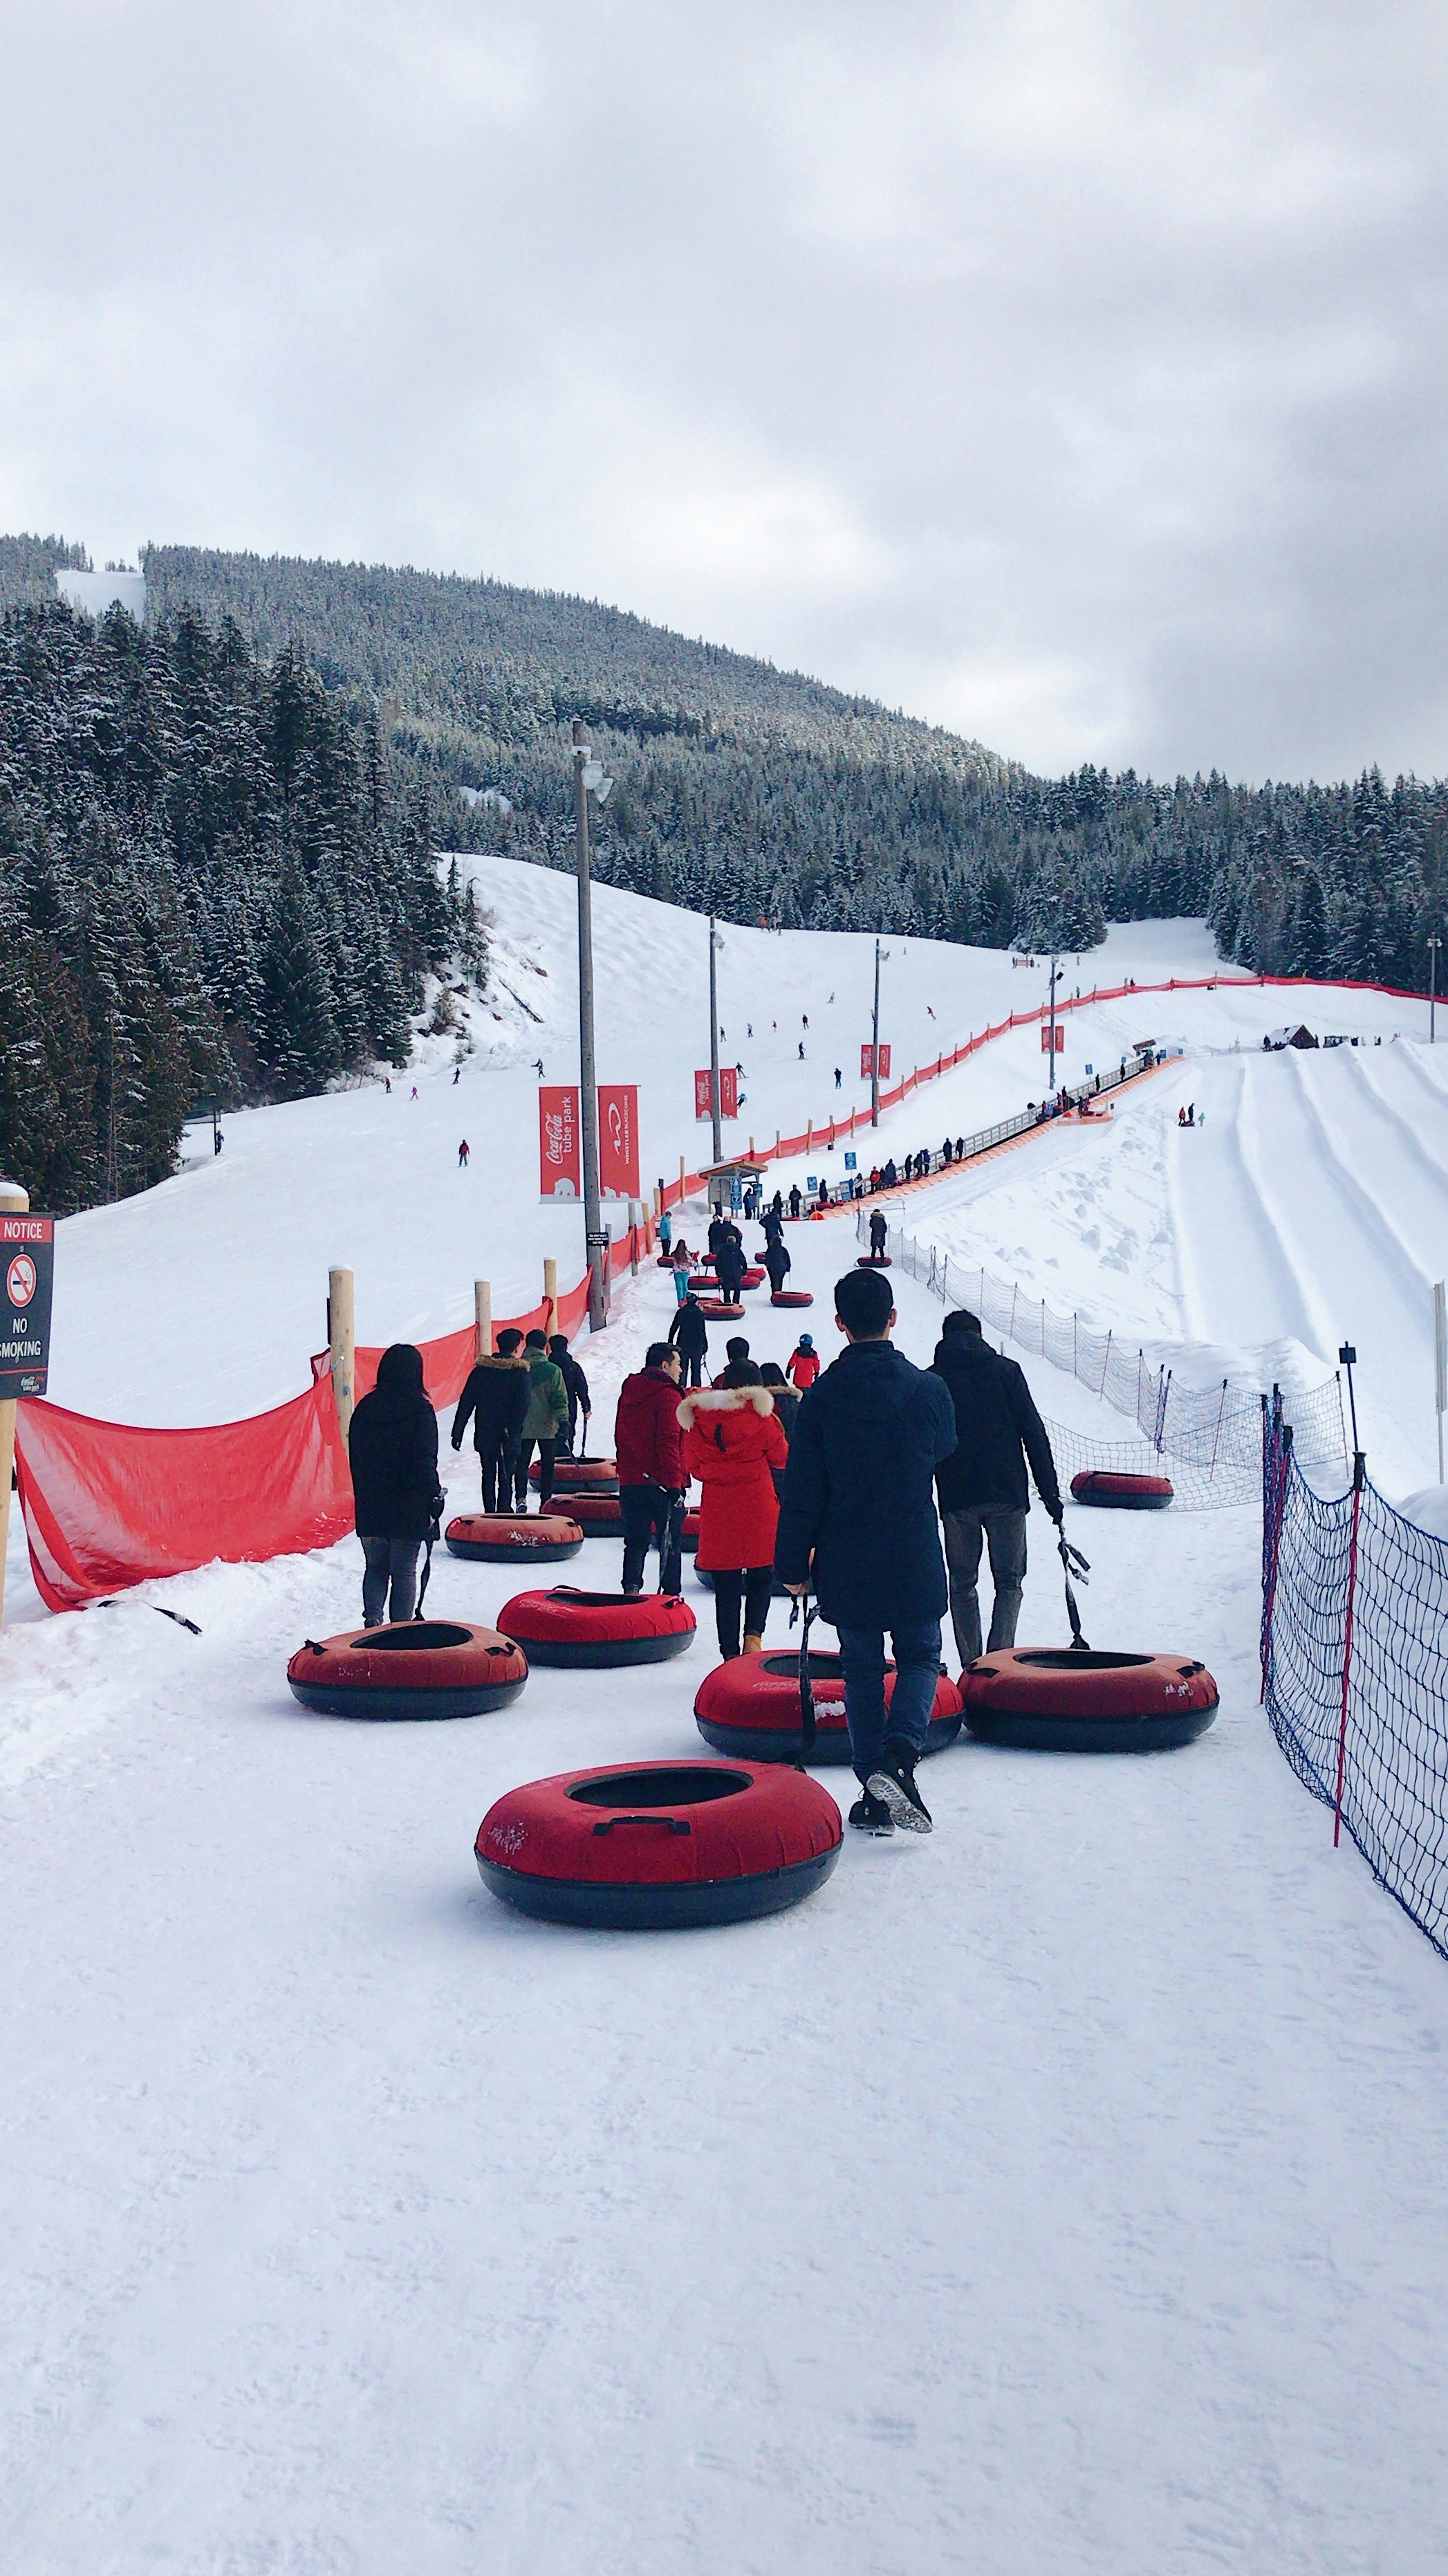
(729, 1267)
(857, 1521)
(982, 1484)
(689, 1334)
(495, 1400)
(392, 1451)
(778, 1264)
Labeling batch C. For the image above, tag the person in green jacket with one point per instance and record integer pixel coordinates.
(545, 1421)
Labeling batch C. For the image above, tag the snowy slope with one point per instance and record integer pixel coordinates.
(1069, 2191)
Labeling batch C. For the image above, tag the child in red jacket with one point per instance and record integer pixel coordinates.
(804, 1365)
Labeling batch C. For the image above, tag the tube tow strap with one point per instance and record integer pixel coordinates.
(1073, 1562)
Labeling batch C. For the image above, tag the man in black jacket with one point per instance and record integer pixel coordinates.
(392, 1452)
(575, 1386)
(857, 1520)
(982, 1484)
(689, 1334)
(495, 1399)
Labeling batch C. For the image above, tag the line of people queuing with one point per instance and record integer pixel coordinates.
(839, 1482)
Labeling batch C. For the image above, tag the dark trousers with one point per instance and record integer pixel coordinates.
(917, 1674)
(651, 1513)
(497, 1462)
(389, 1561)
(1004, 1534)
(755, 1588)
(547, 1452)
(692, 1371)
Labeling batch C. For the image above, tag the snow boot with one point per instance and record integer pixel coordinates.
(753, 1645)
(870, 1815)
(894, 1785)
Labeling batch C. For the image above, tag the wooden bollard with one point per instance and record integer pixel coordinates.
(483, 1319)
(342, 1343)
(550, 1296)
(15, 1201)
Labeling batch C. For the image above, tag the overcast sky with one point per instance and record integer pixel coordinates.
(1074, 375)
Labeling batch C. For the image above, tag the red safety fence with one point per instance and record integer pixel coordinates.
(108, 1504)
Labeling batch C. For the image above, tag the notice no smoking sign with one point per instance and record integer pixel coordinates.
(27, 1257)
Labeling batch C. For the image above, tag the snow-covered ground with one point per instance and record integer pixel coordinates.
(1068, 2191)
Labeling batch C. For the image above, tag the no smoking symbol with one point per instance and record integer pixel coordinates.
(20, 1280)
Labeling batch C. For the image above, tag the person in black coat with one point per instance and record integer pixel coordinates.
(575, 1386)
(857, 1521)
(495, 1400)
(778, 1264)
(689, 1334)
(392, 1451)
(982, 1486)
(729, 1268)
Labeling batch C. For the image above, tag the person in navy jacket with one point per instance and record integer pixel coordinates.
(857, 1524)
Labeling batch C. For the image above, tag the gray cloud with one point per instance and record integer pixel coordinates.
(1073, 375)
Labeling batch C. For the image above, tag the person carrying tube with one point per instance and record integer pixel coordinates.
(544, 1423)
(777, 1263)
(575, 1386)
(879, 1234)
(981, 1487)
(495, 1401)
(857, 1525)
(392, 1452)
(689, 1336)
(652, 1482)
(733, 1444)
(804, 1364)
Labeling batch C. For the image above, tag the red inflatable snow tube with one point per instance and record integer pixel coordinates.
(873, 1261)
(588, 1631)
(750, 1707)
(690, 1539)
(415, 1668)
(579, 1475)
(598, 1515)
(704, 1287)
(791, 1297)
(753, 1278)
(1121, 1493)
(508, 1538)
(649, 1846)
(1066, 1699)
(718, 1312)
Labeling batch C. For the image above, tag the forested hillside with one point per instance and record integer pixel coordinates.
(208, 884)
(249, 796)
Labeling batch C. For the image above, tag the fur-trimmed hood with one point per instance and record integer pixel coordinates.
(724, 1399)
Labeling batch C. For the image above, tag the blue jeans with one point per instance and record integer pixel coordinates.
(917, 1661)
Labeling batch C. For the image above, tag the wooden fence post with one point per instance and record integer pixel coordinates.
(550, 1296)
(342, 1344)
(483, 1319)
(15, 1201)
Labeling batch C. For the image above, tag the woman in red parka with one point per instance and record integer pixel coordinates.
(732, 1442)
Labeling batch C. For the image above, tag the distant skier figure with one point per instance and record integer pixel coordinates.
(804, 1019)
(217, 1141)
(928, 1012)
(463, 1155)
(839, 1077)
(538, 1066)
(414, 1091)
(801, 1050)
(457, 1075)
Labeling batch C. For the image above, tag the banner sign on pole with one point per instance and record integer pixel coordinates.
(560, 1161)
(728, 1092)
(618, 1139)
(1050, 1045)
(867, 1061)
(703, 1105)
(27, 1274)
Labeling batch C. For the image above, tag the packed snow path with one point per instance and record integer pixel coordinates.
(1067, 2191)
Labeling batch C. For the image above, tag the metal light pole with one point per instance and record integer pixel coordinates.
(1051, 1064)
(1434, 945)
(594, 1235)
(875, 1047)
(718, 1141)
